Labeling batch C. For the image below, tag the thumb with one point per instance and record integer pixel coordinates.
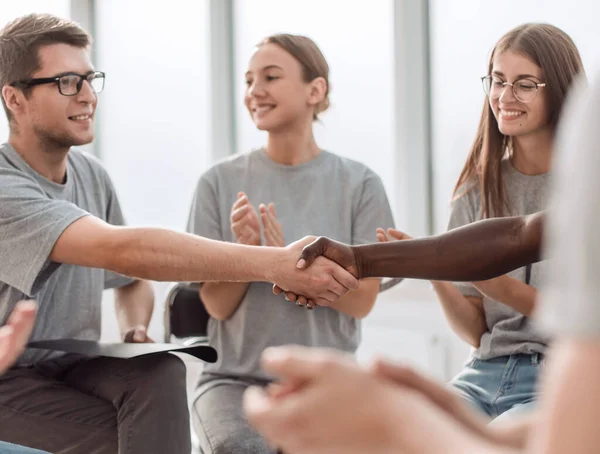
(312, 251)
(140, 335)
(135, 334)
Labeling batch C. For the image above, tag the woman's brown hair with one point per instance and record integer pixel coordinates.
(556, 54)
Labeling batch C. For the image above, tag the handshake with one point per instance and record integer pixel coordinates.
(313, 271)
(316, 272)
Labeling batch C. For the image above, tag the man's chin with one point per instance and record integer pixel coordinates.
(80, 141)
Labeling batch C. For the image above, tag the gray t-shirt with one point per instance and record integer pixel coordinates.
(570, 301)
(329, 195)
(34, 212)
(509, 332)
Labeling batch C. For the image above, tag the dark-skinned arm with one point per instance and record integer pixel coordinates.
(476, 252)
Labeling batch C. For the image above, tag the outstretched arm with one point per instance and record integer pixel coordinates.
(478, 251)
(164, 255)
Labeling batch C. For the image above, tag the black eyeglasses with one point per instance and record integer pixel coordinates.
(69, 84)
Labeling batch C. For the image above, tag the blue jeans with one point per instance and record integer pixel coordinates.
(9, 448)
(505, 386)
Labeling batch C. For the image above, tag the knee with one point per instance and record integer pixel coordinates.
(163, 382)
(163, 370)
(232, 438)
(235, 444)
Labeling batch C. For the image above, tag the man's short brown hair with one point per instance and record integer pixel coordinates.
(21, 39)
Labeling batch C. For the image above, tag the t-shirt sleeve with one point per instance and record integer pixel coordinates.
(570, 297)
(30, 224)
(463, 212)
(373, 211)
(204, 219)
(114, 216)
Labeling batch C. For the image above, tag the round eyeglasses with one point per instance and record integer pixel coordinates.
(525, 90)
(69, 84)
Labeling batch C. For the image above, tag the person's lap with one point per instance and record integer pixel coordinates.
(98, 405)
(501, 387)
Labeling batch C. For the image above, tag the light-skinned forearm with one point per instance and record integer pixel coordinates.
(134, 304)
(478, 251)
(511, 292)
(358, 303)
(163, 255)
(465, 315)
(221, 299)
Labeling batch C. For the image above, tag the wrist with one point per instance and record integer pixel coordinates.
(273, 259)
(362, 262)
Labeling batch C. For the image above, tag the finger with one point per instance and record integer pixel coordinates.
(270, 239)
(345, 278)
(291, 297)
(267, 415)
(335, 287)
(268, 221)
(277, 289)
(407, 377)
(381, 235)
(442, 397)
(281, 389)
(9, 349)
(269, 228)
(240, 201)
(310, 304)
(276, 229)
(239, 213)
(398, 235)
(258, 406)
(22, 320)
(329, 297)
(303, 300)
(297, 362)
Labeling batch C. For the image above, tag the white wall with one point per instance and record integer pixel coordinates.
(357, 41)
(12, 10)
(463, 33)
(154, 112)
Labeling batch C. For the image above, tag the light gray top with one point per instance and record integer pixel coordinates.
(34, 212)
(329, 195)
(508, 331)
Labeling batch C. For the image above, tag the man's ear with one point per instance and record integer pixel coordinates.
(13, 98)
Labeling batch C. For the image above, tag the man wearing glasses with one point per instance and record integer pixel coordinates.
(61, 231)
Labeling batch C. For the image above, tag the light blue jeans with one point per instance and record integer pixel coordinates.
(500, 387)
(9, 448)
